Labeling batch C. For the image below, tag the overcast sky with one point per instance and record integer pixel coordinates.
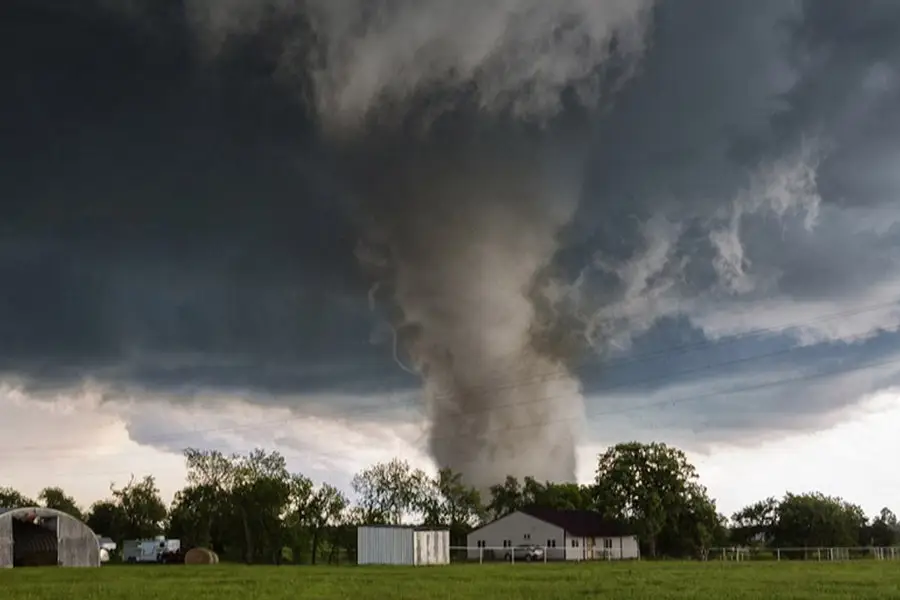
(177, 265)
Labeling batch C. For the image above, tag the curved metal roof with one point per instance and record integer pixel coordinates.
(78, 545)
(40, 511)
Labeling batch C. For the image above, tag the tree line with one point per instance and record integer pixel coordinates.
(251, 508)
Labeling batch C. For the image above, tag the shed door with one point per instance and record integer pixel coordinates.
(6, 542)
(78, 546)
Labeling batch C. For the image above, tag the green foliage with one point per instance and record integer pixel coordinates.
(810, 521)
(388, 491)
(448, 501)
(107, 518)
(56, 498)
(142, 511)
(10, 498)
(816, 520)
(561, 496)
(511, 496)
(884, 530)
(251, 508)
(654, 489)
(754, 525)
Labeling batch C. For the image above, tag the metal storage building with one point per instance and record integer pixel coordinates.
(402, 545)
(38, 536)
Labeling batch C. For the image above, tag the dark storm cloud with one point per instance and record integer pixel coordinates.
(172, 223)
(166, 230)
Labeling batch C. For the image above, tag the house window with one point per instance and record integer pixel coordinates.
(507, 543)
(551, 543)
(481, 544)
(607, 544)
(527, 536)
(574, 543)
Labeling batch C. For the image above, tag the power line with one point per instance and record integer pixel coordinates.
(589, 416)
(697, 397)
(662, 352)
(680, 349)
(514, 405)
(546, 378)
(662, 377)
(376, 409)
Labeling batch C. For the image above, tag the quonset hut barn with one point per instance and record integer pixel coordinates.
(39, 537)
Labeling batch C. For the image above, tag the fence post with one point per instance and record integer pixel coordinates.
(512, 555)
(480, 555)
(545, 555)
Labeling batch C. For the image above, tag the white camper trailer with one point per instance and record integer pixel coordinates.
(154, 550)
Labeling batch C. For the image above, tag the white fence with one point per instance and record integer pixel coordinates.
(492, 554)
(740, 554)
(488, 554)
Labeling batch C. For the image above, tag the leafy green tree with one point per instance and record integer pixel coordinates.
(10, 498)
(816, 520)
(560, 496)
(261, 494)
(389, 491)
(196, 517)
(297, 516)
(56, 498)
(142, 510)
(326, 506)
(511, 496)
(649, 486)
(696, 526)
(203, 513)
(106, 517)
(506, 498)
(754, 525)
(245, 499)
(447, 501)
(884, 530)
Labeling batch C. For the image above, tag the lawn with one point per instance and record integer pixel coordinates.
(656, 581)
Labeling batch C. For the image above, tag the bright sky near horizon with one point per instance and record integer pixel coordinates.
(82, 445)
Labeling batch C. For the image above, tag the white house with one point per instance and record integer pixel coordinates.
(566, 534)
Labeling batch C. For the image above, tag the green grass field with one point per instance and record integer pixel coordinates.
(657, 581)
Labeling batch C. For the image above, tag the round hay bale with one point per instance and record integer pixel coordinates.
(200, 556)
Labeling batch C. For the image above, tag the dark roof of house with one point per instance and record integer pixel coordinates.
(585, 523)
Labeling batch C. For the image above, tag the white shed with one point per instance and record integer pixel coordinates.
(563, 534)
(402, 545)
